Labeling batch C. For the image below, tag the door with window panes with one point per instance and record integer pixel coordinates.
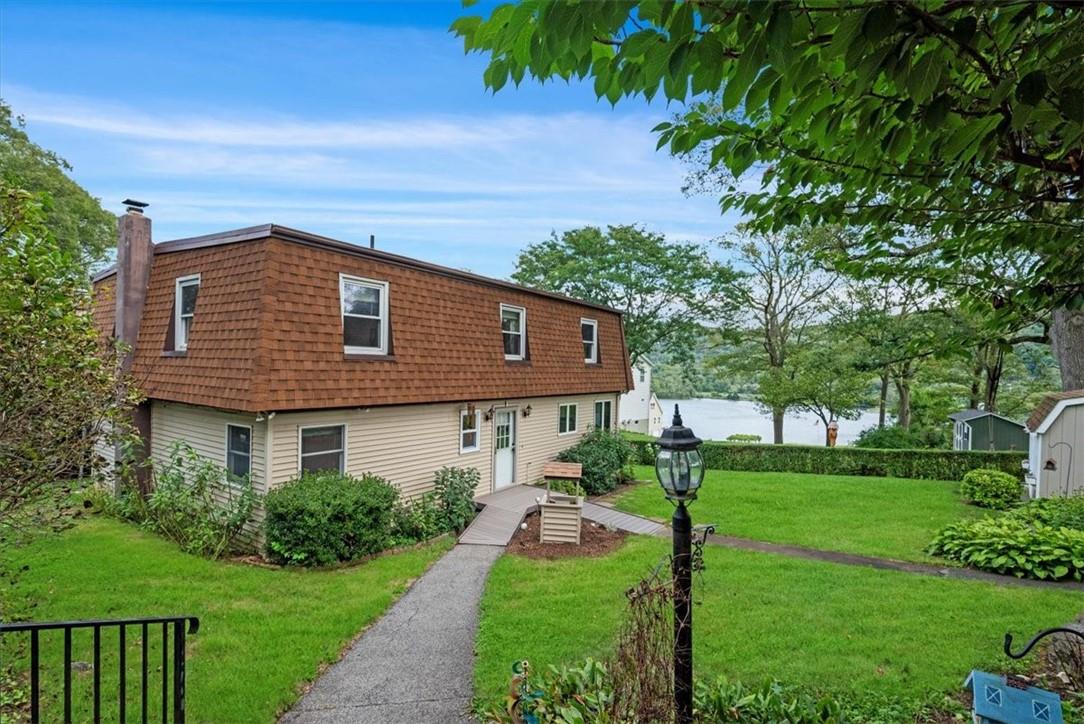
(504, 448)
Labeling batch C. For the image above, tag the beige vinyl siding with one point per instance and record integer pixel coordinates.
(205, 430)
(107, 451)
(1068, 427)
(407, 444)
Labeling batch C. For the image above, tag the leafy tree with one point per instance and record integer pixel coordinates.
(74, 218)
(781, 293)
(57, 386)
(665, 289)
(823, 379)
(947, 133)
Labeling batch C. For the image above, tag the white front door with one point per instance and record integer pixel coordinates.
(504, 448)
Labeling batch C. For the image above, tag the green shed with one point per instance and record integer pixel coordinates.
(982, 430)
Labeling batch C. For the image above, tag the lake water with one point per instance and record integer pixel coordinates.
(717, 419)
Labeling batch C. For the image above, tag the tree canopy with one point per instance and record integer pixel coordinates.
(75, 219)
(948, 133)
(665, 289)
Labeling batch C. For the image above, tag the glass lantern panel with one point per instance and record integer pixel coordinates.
(696, 469)
(662, 469)
(681, 472)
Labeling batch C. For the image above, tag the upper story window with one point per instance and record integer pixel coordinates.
(514, 331)
(643, 374)
(239, 450)
(365, 315)
(185, 309)
(589, 333)
(468, 431)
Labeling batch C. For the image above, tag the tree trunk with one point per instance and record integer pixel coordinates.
(973, 397)
(994, 368)
(1067, 345)
(903, 391)
(777, 426)
(883, 401)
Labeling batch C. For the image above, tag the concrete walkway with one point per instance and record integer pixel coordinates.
(415, 664)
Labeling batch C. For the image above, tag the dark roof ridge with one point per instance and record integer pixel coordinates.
(297, 236)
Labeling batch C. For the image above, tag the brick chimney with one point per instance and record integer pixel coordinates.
(135, 253)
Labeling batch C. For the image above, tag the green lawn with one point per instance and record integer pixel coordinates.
(262, 632)
(763, 616)
(887, 517)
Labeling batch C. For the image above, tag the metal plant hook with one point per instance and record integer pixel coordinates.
(1036, 639)
(700, 537)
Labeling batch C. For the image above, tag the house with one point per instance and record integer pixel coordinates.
(998, 700)
(1056, 428)
(274, 351)
(982, 430)
(639, 409)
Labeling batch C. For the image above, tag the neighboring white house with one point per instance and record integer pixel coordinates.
(639, 410)
(1056, 430)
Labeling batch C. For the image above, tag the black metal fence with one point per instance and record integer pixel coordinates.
(171, 677)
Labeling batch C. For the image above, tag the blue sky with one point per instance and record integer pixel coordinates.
(344, 119)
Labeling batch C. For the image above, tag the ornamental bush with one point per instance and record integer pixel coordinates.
(1010, 544)
(325, 517)
(454, 490)
(603, 455)
(924, 464)
(193, 502)
(989, 488)
(743, 437)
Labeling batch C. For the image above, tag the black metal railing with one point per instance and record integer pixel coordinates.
(181, 625)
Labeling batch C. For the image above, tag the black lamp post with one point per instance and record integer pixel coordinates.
(681, 471)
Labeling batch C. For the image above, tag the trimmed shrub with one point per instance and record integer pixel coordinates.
(893, 437)
(194, 503)
(926, 464)
(743, 437)
(988, 488)
(325, 517)
(1012, 545)
(454, 489)
(603, 455)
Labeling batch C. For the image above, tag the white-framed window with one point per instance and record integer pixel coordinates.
(322, 447)
(566, 418)
(643, 375)
(184, 305)
(514, 331)
(239, 450)
(603, 414)
(469, 439)
(365, 315)
(589, 334)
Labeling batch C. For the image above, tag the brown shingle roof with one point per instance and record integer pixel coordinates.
(267, 331)
(1047, 406)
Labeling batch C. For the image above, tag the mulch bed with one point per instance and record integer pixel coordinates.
(595, 540)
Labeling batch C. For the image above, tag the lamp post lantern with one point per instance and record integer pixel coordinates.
(680, 470)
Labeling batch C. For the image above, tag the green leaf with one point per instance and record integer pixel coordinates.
(848, 30)
(744, 73)
(1072, 103)
(1032, 88)
(879, 23)
(924, 77)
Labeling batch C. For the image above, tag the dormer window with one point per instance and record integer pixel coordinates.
(184, 305)
(365, 315)
(589, 333)
(514, 331)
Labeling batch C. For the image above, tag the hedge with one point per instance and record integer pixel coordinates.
(927, 464)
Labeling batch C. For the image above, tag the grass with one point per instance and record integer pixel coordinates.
(841, 629)
(887, 517)
(263, 632)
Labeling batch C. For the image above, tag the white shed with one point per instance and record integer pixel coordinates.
(1056, 431)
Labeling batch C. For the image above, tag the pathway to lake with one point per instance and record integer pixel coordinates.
(716, 419)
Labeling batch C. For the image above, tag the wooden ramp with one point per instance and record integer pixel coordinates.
(505, 509)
